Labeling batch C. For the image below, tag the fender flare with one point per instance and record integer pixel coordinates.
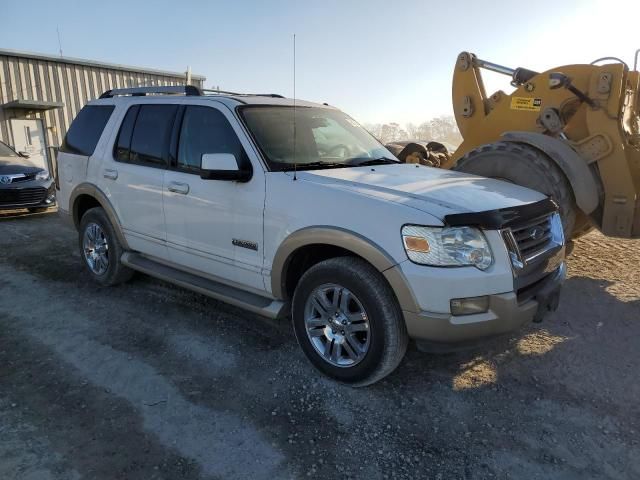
(585, 185)
(349, 240)
(101, 198)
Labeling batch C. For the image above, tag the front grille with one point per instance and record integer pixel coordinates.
(533, 240)
(533, 237)
(22, 196)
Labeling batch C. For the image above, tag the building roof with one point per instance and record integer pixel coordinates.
(94, 63)
(28, 104)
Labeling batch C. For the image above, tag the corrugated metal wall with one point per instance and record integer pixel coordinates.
(68, 83)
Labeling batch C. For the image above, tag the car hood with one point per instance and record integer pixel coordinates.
(14, 165)
(432, 190)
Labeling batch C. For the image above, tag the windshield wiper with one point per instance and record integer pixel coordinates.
(304, 166)
(375, 161)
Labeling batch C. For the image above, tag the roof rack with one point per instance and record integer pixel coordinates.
(236, 94)
(188, 90)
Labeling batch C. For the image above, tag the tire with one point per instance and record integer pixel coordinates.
(529, 167)
(371, 313)
(105, 241)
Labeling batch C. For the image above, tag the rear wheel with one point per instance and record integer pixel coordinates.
(529, 167)
(348, 322)
(101, 250)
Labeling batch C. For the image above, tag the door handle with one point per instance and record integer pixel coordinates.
(176, 187)
(110, 173)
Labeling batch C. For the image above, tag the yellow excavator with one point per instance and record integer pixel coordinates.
(572, 132)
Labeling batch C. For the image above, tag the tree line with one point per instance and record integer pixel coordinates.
(439, 129)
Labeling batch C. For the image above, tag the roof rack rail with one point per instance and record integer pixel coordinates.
(224, 92)
(221, 92)
(188, 90)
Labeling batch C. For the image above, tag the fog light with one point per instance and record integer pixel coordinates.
(469, 306)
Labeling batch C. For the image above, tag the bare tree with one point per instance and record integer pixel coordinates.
(439, 129)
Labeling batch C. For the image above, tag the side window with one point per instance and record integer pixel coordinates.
(152, 134)
(86, 129)
(206, 130)
(122, 149)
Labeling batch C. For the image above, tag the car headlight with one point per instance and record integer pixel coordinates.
(447, 246)
(43, 175)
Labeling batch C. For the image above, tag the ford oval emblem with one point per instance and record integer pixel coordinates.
(5, 180)
(536, 233)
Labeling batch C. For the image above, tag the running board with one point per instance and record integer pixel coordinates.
(225, 293)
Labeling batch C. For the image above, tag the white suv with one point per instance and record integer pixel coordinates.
(286, 207)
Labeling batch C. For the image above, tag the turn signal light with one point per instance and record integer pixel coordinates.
(416, 244)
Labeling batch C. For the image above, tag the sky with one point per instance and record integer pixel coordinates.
(380, 61)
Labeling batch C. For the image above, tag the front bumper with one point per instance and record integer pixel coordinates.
(30, 194)
(438, 331)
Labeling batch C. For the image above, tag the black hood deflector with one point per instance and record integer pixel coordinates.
(503, 217)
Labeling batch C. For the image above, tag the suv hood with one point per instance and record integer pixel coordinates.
(432, 190)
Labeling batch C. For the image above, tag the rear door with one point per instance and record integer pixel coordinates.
(133, 175)
(213, 226)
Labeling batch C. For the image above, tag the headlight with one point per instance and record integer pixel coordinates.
(447, 247)
(43, 175)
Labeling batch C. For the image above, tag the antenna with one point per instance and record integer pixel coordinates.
(295, 158)
(59, 42)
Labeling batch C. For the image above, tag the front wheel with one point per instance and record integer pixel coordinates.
(348, 322)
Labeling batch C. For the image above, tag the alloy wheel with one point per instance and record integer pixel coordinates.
(95, 248)
(337, 325)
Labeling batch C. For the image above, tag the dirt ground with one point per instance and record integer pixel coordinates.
(149, 381)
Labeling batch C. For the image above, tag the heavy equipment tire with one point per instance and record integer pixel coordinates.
(527, 166)
(100, 249)
(348, 322)
(582, 226)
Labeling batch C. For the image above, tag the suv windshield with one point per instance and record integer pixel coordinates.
(6, 151)
(324, 138)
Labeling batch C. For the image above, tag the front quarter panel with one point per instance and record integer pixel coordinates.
(295, 205)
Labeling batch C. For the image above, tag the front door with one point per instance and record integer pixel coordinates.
(28, 137)
(213, 226)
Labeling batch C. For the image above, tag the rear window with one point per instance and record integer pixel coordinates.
(145, 134)
(86, 129)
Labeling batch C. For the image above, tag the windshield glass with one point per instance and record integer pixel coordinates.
(323, 138)
(6, 151)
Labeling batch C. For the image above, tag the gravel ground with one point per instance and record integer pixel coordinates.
(147, 380)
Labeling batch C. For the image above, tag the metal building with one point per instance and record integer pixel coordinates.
(41, 94)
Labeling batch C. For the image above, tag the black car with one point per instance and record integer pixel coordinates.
(22, 183)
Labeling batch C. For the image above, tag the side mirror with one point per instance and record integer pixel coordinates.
(223, 166)
(24, 154)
